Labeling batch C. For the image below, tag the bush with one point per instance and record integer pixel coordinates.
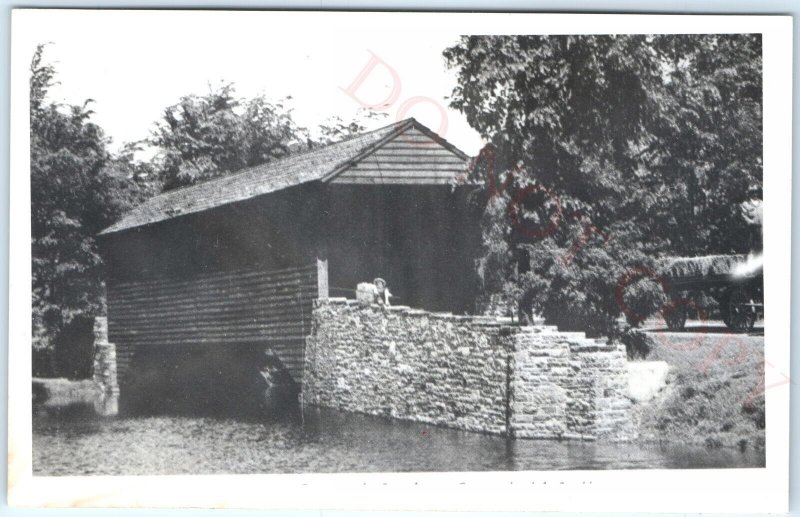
(575, 295)
(754, 410)
(637, 345)
(74, 349)
(578, 290)
(642, 298)
(535, 259)
(42, 362)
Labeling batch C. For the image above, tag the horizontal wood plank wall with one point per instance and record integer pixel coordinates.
(247, 307)
(412, 158)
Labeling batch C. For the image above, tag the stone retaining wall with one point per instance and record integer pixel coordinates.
(467, 372)
(409, 364)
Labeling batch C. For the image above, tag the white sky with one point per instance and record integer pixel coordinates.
(134, 64)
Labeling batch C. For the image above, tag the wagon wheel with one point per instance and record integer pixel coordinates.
(741, 317)
(675, 317)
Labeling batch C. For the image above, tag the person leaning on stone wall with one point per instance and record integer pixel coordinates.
(375, 292)
(382, 294)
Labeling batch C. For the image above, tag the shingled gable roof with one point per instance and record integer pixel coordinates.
(322, 164)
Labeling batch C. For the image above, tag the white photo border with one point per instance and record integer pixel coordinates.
(762, 490)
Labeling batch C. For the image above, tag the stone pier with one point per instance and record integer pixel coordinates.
(105, 370)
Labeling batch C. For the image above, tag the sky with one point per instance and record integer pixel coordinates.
(134, 64)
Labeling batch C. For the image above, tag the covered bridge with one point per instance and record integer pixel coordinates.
(211, 275)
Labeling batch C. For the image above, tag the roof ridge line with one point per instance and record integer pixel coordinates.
(293, 155)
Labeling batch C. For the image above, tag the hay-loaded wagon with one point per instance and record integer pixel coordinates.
(736, 282)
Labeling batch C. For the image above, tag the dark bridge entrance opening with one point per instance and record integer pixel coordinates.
(207, 380)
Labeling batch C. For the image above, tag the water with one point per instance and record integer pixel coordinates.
(326, 441)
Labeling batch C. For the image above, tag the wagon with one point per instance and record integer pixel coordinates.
(736, 282)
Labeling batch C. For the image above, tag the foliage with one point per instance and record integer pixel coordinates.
(73, 353)
(139, 178)
(584, 289)
(73, 196)
(335, 129)
(637, 344)
(605, 151)
(577, 276)
(642, 297)
(711, 121)
(203, 137)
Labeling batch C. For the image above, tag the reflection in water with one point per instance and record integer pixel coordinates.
(326, 441)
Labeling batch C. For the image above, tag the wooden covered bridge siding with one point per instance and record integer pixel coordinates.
(258, 308)
(411, 158)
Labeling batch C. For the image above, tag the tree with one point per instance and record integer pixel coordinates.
(623, 148)
(203, 137)
(73, 197)
(138, 179)
(708, 141)
(335, 129)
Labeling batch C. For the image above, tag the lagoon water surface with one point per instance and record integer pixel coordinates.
(327, 441)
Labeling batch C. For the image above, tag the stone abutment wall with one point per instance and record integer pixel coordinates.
(564, 385)
(466, 372)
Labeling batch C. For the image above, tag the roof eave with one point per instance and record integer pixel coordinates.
(368, 150)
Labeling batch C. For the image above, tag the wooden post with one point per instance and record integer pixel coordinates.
(322, 279)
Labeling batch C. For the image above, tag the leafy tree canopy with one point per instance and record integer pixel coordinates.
(335, 129)
(607, 151)
(75, 193)
(203, 137)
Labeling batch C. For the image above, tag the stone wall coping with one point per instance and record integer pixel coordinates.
(418, 312)
(502, 322)
(442, 315)
(475, 319)
(331, 301)
(577, 340)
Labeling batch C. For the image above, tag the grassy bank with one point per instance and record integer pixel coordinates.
(713, 396)
(56, 394)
